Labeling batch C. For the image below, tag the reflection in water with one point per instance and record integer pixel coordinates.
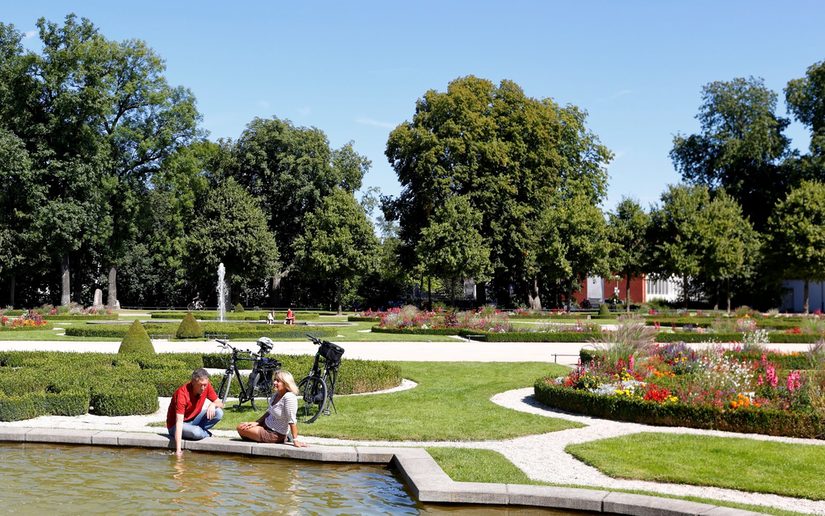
(40, 478)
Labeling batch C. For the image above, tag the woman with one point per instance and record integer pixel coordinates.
(280, 418)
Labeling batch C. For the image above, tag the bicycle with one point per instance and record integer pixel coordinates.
(317, 389)
(196, 304)
(259, 382)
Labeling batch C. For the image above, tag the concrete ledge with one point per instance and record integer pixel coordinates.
(13, 433)
(421, 473)
(59, 435)
(556, 497)
(643, 505)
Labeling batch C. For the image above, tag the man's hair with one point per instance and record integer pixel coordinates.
(198, 374)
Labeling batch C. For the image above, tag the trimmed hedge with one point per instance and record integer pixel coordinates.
(359, 318)
(136, 340)
(417, 331)
(86, 317)
(777, 323)
(189, 328)
(760, 421)
(231, 330)
(257, 315)
(125, 400)
(774, 337)
(34, 383)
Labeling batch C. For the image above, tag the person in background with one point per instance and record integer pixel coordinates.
(193, 410)
(290, 317)
(279, 422)
(270, 317)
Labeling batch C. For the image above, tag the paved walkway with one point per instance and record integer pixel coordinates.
(541, 457)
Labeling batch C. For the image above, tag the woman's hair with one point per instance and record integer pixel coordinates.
(288, 380)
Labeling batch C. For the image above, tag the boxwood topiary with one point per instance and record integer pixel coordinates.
(136, 398)
(189, 328)
(66, 403)
(136, 341)
(604, 309)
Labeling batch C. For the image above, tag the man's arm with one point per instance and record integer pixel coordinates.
(178, 434)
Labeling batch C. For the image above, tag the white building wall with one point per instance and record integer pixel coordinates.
(669, 289)
(793, 300)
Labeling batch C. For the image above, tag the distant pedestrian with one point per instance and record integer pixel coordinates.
(270, 317)
(290, 317)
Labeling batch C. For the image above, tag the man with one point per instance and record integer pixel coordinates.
(194, 409)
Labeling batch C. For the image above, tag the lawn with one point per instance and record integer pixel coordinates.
(747, 465)
(473, 465)
(451, 403)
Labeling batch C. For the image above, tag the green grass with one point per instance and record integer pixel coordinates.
(744, 464)
(474, 465)
(451, 402)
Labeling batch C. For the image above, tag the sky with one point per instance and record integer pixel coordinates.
(355, 69)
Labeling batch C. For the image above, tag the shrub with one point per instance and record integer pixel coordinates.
(604, 310)
(116, 400)
(136, 340)
(239, 308)
(25, 406)
(189, 328)
(66, 403)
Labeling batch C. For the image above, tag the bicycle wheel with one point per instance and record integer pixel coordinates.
(260, 386)
(313, 398)
(223, 390)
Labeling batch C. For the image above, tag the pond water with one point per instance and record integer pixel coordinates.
(46, 478)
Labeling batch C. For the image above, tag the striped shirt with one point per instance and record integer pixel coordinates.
(282, 412)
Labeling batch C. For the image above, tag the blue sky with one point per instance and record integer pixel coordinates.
(355, 69)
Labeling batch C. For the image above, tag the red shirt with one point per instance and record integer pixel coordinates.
(186, 403)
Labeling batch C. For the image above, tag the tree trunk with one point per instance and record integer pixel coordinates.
(12, 285)
(429, 293)
(728, 296)
(338, 295)
(685, 290)
(627, 292)
(113, 303)
(805, 293)
(481, 293)
(533, 298)
(65, 292)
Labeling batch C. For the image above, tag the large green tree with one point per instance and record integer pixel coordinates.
(805, 98)
(797, 235)
(337, 244)
(231, 228)
(291, 169)
(628, 228)
(740, 147)
(451, 247)
(510, 155)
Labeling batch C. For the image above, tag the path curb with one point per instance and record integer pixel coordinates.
(422, 474)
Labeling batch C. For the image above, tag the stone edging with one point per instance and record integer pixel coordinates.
(422, 474)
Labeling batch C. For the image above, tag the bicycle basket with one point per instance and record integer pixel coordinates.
(331, 352)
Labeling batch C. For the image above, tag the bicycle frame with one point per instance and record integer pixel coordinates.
(261, 365)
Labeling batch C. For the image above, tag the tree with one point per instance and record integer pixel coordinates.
(740, 147)
(731, 245)
(508, 154)
(676, 233)
(291, 170)
(797, 235)
(628, 228)
(451, 246)
(574, 243)
(805, 98)
(337, 244)
(231, 229)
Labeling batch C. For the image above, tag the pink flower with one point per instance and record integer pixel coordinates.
(794, 381)
(770, 371)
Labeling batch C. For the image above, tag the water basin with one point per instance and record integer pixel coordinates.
(58, 478)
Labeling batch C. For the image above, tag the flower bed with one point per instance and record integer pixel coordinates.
(28, 321)
(675, 385)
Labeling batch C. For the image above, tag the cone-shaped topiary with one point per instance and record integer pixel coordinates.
(604, 309)
(239, 307)
(189, 328)
(137, 340)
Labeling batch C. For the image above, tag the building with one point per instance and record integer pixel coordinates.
(642, 289)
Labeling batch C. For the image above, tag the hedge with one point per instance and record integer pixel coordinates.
(230, 330)
(34, 383)
(125, 400)
(773, 337)
(751, 420)
(85, 317)
(189, 328)
(359, 318)
(780, 323)
(258, 315)
(417, 331)
(136, 340)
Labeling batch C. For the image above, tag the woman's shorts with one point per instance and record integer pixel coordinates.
(270, 436)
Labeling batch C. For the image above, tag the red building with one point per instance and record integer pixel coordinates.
(642, 289)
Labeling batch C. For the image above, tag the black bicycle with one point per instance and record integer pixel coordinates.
(317, 389)
(259, 382)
